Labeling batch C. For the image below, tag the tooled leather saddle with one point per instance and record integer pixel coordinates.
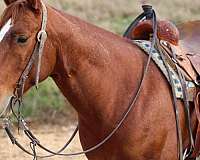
(189, 41)
(183, 39)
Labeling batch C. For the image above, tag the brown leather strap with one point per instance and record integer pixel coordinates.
(196, 152)
(197, 106)
(175, 105)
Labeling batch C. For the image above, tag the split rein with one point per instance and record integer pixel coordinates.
(148, 13)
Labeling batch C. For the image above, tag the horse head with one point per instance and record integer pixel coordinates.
(20, 25)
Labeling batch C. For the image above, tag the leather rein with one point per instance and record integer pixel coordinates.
(16, 99)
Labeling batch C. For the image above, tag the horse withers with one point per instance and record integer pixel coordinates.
(99, 73)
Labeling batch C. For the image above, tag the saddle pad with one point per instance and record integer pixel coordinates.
(146, 46)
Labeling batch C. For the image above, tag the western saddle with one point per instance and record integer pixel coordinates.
(183, 39)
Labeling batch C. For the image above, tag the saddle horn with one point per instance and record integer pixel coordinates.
(148, 14)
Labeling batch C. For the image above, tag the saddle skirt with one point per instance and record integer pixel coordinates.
(182, 60)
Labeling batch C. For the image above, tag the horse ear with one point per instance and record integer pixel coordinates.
(35, 4)
(8, 2)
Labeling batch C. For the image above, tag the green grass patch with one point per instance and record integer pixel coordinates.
(46, 97)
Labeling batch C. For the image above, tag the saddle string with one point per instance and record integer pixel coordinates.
(148, 12)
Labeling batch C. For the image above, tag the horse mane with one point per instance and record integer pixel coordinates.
(13, 10)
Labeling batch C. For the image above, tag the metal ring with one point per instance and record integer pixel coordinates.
(41, 34)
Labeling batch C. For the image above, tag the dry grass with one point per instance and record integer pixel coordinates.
(109, 14)
(53, 137)
(105, 13)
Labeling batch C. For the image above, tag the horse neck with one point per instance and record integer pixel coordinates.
(95, 69)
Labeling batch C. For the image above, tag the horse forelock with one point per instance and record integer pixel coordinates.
(13, 11)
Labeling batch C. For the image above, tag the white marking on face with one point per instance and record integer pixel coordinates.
(5, 29)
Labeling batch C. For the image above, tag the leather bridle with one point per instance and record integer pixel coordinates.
(34, 59)
(36, 56)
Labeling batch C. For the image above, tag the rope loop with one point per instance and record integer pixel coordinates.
(41, 35)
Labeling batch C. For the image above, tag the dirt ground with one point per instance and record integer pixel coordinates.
(53, 136)
(50, 135)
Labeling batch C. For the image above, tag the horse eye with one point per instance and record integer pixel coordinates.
(22, 39)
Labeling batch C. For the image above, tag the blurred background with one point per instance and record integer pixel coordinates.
(46, 104)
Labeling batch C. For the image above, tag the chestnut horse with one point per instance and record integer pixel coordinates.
(99, 73)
